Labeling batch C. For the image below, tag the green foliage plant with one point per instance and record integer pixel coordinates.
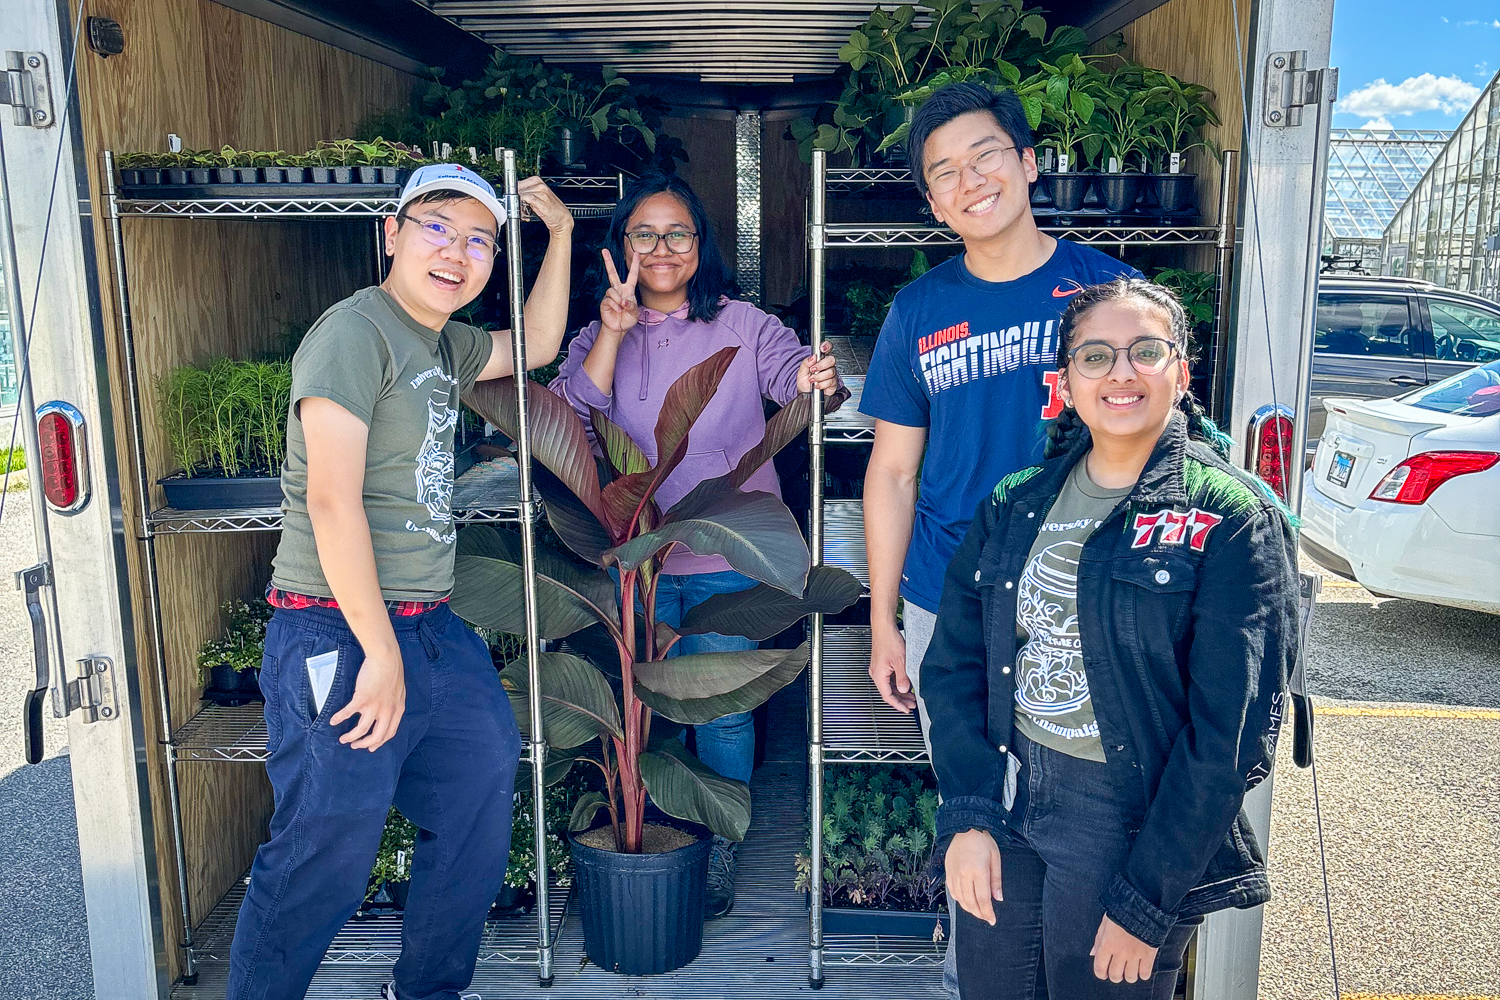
(619, 527)
(1127, 116)
(1197, 290)
(243, 641)
(879, 827)
(398, 844)
(1060, 102)
(227, 417)
(1180, 114)
(866, 303)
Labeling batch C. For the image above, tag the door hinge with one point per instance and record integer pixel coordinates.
(1291, 86)
(93, 691)
(26, 88)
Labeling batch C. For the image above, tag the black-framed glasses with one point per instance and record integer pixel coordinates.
(1148, 356)
(983, 163)
(644, 241)
(440, 234)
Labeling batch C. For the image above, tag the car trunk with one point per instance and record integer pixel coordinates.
(1362, 443)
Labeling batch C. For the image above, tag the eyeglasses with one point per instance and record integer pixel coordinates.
(1148, 356)
(644, 241)
(983, 164)
(439, 234)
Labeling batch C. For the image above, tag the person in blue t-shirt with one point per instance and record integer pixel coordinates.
(964, 368)
(964, 364)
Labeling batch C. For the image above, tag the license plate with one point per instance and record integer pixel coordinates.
(1340, 468)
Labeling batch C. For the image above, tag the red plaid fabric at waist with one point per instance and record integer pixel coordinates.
(294, 602)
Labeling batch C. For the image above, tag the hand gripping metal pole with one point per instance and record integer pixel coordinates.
(544, 942)
(153, 593)
(815, 282)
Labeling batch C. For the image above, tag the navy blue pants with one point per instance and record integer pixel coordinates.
(450, 768)
(1069, 837)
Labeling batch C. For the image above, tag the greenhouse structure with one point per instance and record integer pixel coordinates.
(1370, 173)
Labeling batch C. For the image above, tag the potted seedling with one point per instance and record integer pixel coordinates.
(1126, 120)
(642, 885)
(138, 169)
(1059, 97)
(585, 110)
(879, 827)
(229, 666)
(564, 788)
(1181, 111)
(390, 876)
(225, 428)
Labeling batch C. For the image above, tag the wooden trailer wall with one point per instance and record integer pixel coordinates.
(203, 289)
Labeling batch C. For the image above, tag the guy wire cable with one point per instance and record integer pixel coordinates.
(1275, 400)
(62, 139)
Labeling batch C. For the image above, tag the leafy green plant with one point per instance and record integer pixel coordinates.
(1196, 289)
(1059, 100)
(521, 869)
(879, 827)
(1181, 111)
(398, 844)
(228, 417)
(12, 459)
(1126, 119)
(618, 526)
(243, 642)
(867, 303)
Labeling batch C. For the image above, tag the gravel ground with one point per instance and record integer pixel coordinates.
(44, 950)
(1410, 808)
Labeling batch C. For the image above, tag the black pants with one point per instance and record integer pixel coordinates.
(1069, 839)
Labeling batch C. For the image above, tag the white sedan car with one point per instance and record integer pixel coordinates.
(1404, 494)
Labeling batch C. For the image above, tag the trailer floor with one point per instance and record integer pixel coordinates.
(760, 950)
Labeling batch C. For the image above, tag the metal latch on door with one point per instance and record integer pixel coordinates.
(92, 692)
(25, 88)
(1291, 86)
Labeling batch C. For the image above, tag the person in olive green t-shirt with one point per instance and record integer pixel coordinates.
(376, 693)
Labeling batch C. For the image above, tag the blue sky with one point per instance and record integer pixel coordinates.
(1433, 56)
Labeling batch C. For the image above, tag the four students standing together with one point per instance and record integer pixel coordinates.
(1105, 654)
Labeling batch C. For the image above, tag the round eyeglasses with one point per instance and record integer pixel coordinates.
(644, 242)
(983, 164)
(1148, 356)
(439, 234)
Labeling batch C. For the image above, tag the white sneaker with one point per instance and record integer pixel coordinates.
(388, 992)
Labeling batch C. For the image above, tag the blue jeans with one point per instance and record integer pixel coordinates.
(1069, 837)
(726, 744)
(450, 768)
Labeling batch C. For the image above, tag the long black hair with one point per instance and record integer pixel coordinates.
(711, 282)
(1063, 430)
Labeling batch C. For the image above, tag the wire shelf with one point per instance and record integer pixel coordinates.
(857, 726)
(845, 179)
(844, 537)
(370, 207)
(881, 950)
(840, 235)
(370, 940)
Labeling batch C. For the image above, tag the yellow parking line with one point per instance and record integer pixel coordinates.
(1408, 713)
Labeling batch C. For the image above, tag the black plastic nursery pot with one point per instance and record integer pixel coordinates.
(903, 923)
(1068, 190)
(642, 913)
(1174, 192)
(1120, 192)
(226, 686)
(221, 492)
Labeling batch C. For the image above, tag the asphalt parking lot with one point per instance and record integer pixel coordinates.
(1408, 749)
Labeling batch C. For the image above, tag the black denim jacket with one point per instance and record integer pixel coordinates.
(1187, 610)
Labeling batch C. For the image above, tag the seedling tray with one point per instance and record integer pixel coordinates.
(303, 191)
(893, 923)
(221, 493)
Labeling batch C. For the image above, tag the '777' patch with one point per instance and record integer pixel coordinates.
(1176, 527)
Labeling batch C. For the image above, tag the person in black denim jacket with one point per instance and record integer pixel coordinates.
(1084, 849)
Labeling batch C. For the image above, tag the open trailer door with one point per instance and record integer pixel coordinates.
(78, 591)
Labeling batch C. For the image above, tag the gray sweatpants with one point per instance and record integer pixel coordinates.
(919, 624)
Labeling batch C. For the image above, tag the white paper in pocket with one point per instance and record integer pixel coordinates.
(320, 671)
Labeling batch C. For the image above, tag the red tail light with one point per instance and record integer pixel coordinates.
(1415, 479)
(1270, 447)
(64, 458)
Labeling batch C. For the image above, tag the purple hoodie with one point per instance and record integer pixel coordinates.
(659, 350)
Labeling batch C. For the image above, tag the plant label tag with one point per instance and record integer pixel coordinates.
(1114, 165)
(447, 152)
(1047, 158)
(1062, 163)
(473, 156)
(320, 671)
(174, 142)
(1176, 164)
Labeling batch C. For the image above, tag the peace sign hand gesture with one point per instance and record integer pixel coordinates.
(618, 310)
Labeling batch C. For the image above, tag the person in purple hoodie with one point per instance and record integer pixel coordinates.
(669, 313)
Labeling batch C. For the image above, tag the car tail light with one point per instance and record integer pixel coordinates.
(1414, 480)
(1270, 447)
(64, 457)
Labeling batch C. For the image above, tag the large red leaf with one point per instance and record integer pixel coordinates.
(781, 430)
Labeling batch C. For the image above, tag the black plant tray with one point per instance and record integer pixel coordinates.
(232, 698)
(1093, 217)
(221, 493)
(894, 923)
(302, 191)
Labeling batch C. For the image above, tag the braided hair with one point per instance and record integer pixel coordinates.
(1065, 428)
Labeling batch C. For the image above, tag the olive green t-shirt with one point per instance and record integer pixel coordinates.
(404, 381)
(1052, 691)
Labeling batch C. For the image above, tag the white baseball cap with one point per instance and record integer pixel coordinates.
(453, 177)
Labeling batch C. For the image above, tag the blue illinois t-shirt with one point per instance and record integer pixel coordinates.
(975, 362)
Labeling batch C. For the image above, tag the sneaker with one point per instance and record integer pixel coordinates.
(388, 992)
(721, 879)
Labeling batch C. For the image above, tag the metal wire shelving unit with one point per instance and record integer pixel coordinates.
(848, 722)
(238, 734)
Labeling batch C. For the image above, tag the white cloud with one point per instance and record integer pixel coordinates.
(1448, 94)
(1381, 124)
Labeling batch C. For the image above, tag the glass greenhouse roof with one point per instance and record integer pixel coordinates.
(1370, 173)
